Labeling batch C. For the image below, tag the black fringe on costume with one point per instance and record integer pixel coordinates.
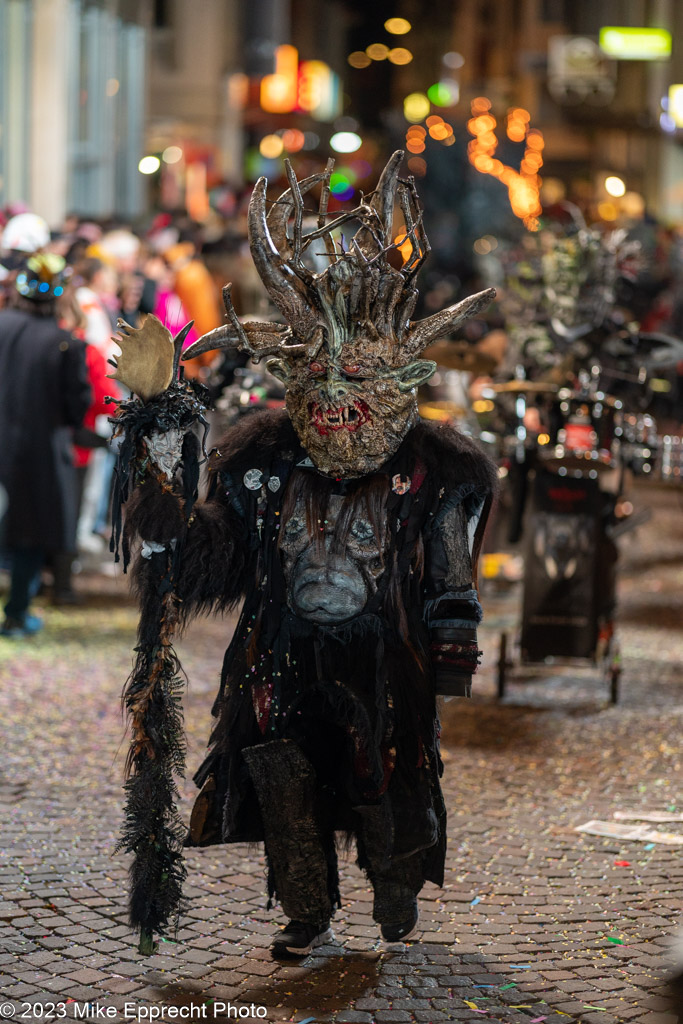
(153, 831)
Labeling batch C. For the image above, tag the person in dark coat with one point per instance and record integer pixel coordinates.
(44, 394)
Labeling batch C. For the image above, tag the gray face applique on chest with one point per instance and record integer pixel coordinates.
(331, 579)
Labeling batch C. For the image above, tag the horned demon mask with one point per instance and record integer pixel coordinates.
(348, 352)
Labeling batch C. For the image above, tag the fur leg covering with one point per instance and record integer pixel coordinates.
(285, 784)
(396, 882)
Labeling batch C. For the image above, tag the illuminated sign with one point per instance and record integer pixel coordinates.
(279, 90)
(635, 43)
(318, 91)
(310, 86)
(675, 110)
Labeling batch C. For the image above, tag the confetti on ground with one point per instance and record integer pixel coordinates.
(587, 1006)
(622, 863)
(615, 940)
(520, 967)
(477, 899)
(512, 984)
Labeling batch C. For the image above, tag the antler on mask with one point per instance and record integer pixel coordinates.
(347, 335)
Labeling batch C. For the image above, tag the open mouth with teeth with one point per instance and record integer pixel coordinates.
(346, 417)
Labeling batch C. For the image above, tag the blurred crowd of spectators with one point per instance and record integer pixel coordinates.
(61, 294)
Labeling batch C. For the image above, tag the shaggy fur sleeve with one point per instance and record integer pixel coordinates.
(212, 549)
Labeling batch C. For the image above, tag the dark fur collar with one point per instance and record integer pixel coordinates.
(447, 455)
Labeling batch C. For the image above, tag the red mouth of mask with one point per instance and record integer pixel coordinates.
(345, 417)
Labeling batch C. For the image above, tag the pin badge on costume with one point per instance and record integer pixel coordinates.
(253, 478)
(400, 484)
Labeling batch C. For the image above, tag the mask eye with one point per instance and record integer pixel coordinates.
(316, 368)
(353, 369)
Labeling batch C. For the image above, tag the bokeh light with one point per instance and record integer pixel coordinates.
(415, 145)
(112, 87)
(149, 165)
(453, 60)
(345, 142)
(417, 166)
(608, 211)
(361, 169)
(405, 246)
(416, 106)
(614, 186)
(271, 146)
(552, 191)
(633, 205)
(359, 59)
(397, 26)
(441, 131)
(172, 155)
(377, 51)
(399, 55)
(293, 140)
(445, 93)
(340, 185)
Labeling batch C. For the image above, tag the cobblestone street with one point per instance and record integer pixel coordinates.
(536, 922)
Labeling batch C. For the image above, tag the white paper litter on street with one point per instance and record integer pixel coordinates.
(637, 833)
(647, 816)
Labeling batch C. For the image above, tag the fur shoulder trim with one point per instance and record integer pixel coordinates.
(452, 457)
(254, 440)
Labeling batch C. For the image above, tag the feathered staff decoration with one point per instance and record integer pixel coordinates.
(157, 442)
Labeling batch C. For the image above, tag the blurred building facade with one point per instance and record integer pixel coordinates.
(72, 106)
(598, 116)
(87, 87)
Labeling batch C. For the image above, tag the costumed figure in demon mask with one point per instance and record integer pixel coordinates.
(350, 531)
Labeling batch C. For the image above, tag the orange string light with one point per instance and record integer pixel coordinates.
(524, 185)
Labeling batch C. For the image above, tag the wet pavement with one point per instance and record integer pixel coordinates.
(536, 922)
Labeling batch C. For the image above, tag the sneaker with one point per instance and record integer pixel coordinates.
(27, 626)
(298, 939)
(404, 930)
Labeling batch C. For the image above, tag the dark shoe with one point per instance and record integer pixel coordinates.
(298, 939)
(404, 930)
(26, 626)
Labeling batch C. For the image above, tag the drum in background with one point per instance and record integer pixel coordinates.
(583, 434)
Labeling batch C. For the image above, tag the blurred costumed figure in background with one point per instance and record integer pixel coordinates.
(350, 529)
